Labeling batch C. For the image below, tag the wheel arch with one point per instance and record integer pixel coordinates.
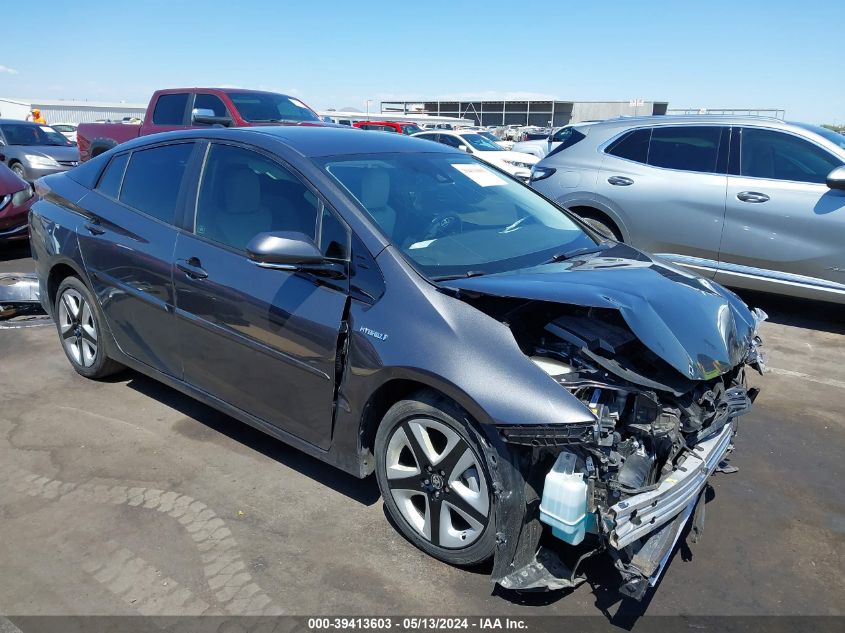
(59, 271)
(402, 387)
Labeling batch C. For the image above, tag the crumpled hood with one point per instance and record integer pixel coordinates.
(698, 327)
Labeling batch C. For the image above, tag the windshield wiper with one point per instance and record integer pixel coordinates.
(562, 257)
(470, 273)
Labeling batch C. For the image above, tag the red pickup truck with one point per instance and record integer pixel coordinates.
(182, 108)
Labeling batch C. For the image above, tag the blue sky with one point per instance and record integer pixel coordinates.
(742, 54)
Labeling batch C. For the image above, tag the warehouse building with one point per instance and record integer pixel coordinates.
(539, 113)
(67, 111)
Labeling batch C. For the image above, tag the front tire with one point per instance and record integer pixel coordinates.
(434, 480)
(18, 170)
(80, 329)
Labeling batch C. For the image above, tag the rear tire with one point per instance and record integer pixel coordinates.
(602, 225)
(434, 479)
(80, 326)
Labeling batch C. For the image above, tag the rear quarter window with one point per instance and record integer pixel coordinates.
(631, 146)
(109, 184)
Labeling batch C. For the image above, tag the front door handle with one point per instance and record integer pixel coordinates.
(620, 181)
(191, 267)
(752, 196)
(94, 229)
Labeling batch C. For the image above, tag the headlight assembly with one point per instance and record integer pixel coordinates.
(37, 160)
(22, 196)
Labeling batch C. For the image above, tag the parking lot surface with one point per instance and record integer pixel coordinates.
(126, 497)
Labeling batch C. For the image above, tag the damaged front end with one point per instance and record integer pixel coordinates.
(628, 482)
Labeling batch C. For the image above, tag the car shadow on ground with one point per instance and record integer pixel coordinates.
(364, 491)
(803, 313)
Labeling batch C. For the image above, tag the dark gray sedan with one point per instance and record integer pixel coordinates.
(32, 150)
(394, 306)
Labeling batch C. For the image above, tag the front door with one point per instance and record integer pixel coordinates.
(263, 340)
(128, 247)
(782, 220)
(668, 185)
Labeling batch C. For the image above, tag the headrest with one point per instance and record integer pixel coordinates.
(241, 190)
(375, 188)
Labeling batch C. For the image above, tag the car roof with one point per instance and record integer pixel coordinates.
(309, 141)
(686, 119)
(5, 121)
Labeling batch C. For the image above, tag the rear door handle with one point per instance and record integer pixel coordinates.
(620, 181)
(192, 268)
(94, 228)
(752, 196)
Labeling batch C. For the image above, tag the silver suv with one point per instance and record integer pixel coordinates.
(750, 202)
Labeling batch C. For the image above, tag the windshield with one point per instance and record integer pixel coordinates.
(481, 143)
(266, 107)
(453, 215)
(411, 129)
(21, 134)
(834, 137)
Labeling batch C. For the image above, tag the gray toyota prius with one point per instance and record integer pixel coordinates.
(522, 388)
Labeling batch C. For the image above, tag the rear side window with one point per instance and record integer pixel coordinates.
(779, 156)
(688, 148)
(170, 109)
(210, 102)
(632, 146)
(153, 179)
(109, 184)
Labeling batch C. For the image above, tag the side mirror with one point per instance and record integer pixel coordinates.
(283, 249)
(836, 178)
(206, 116)
(463, 148)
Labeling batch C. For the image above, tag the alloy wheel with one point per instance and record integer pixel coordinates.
(78, 328)
(437, 483)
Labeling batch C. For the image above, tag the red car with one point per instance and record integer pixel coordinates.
(388, 126)
(16, 196)
(182, 108)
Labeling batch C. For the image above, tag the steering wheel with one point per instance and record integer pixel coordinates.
(443, 224)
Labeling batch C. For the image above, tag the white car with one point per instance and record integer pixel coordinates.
(515, 163)
(68, 130)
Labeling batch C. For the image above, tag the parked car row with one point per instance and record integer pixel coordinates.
(749, 202)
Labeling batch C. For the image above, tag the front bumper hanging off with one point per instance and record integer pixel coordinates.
(640, 531)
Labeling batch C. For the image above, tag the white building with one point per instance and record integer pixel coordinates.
(69, 111)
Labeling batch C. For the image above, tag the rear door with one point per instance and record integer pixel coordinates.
(668, 185)
(128, 244)
(263, 340)
(782, 220)
(170, 112)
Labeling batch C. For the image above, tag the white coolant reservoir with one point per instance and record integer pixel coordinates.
(564, 503)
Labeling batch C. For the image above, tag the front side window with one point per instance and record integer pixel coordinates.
(153, 179)
(109, 184)
(210, 102)
(780, 156)
(687, 148)
(268, 107)
(451, 141)
(413, 129)
(631, 146)
(170, 109)
(243, 193)
(450, 214)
